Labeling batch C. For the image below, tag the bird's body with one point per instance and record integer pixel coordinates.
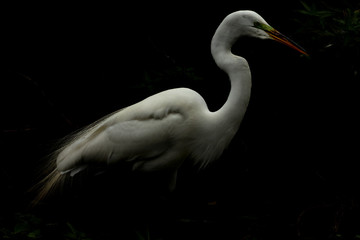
(173, 126)
(152, 135)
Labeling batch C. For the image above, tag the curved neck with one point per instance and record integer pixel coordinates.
(237, 68)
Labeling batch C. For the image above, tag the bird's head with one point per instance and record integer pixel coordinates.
(251, 24)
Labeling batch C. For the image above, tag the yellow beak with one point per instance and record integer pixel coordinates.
(277, 36)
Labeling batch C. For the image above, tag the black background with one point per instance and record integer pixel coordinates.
(66, 65)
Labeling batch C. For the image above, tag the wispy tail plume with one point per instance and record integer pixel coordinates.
(53, 181)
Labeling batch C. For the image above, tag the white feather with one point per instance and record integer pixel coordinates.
(162, 131)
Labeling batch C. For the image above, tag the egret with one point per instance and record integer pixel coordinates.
(161, 132)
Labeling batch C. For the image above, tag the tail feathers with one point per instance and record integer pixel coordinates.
(51, 183)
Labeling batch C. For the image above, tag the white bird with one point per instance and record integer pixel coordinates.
(161, 132)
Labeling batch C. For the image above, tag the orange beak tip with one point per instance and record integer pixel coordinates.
(277, 36)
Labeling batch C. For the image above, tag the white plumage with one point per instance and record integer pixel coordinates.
(166, 129)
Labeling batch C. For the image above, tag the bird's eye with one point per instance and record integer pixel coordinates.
(257, 25)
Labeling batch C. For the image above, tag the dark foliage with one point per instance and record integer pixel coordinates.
(290, 173)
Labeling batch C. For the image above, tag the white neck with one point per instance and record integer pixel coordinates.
(227, 119)
(237, 68)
